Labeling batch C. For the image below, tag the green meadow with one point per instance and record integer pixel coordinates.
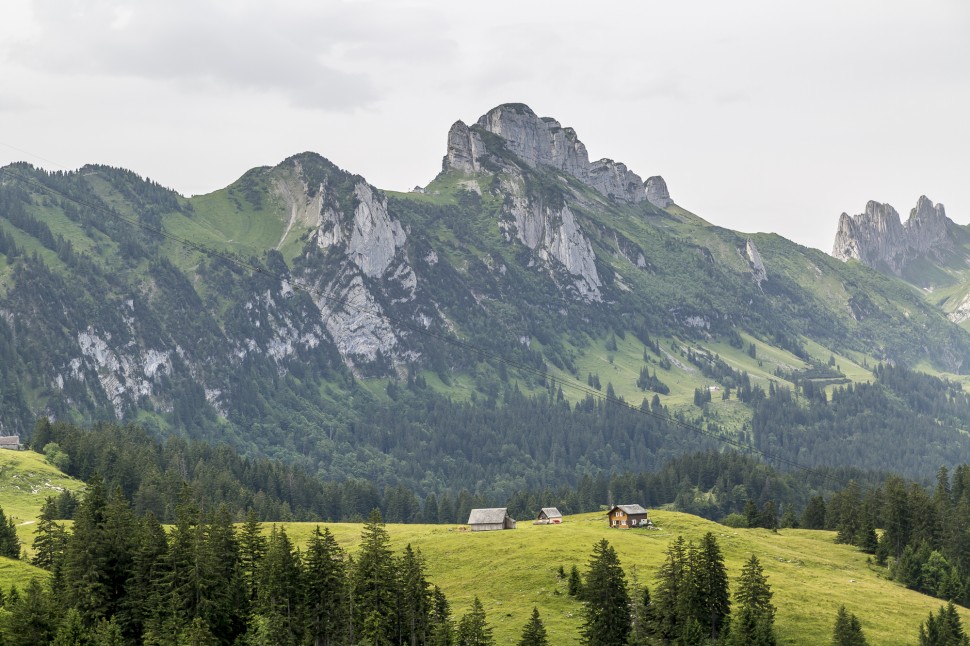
(512, 571)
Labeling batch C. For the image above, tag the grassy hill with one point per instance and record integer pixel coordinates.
(26, 480)
(513, 571)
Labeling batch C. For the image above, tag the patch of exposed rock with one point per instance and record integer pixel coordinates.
(878, 239)
(555, 235)
(758, 271)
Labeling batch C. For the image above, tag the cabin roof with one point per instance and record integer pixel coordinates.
(551, 512)
(488, 516)
(631, 509)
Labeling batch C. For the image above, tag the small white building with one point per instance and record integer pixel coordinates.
(486, 520)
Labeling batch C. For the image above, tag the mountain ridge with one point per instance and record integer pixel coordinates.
(308, 297)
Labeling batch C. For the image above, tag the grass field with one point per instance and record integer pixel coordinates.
(512, 571)
(26, 480)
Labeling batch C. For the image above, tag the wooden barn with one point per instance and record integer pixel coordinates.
(549, 516)
(486, 520)
(627, 516)
(11, 442)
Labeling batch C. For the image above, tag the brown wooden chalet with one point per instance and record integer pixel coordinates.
(486, 520)
(549, 516)
(627, 516)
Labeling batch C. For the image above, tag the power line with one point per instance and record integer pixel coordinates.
(575, 385)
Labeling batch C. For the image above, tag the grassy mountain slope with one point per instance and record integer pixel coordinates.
(26, 480)
(513, 571)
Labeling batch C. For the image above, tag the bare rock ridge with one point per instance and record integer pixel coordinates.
(879, 239)
(544, 141)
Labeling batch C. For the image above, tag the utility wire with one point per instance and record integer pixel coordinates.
(575, 385)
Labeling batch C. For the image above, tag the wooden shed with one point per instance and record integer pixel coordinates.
(11, 442)
(549, 516)
(627, 516)
(486, 520)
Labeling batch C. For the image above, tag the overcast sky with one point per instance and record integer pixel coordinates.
(762, 116)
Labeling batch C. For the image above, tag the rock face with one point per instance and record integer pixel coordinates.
(657, 193)
(878, 239)
(541, 141)
(758, 271)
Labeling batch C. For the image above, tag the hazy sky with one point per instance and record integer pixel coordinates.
(762, 116)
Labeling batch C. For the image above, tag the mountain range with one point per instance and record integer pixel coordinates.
(303, 313)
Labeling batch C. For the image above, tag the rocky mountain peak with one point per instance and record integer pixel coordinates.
(657, 193)
(540, 141)
(879, 239)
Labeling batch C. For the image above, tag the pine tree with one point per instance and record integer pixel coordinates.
(944, 629)
(9, 542)
(575, 585)
(534, 633)
(814, 515)
(327, 603)
(374, 583)
(50, 538)
(669, 591)
(712, 581)
(30, 617)
(252, 549)
(280, 589)
(442, 628)
(754, 623)
(414, 597)
(848, 630)
(473, 629)
(606, 603)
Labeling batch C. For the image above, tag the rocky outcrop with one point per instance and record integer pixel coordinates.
(657, 193)
(465, 148)
(878, 239)
(758, 271)
(555, 235)
(540, 142)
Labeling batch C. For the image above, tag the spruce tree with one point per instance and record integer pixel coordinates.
(9, 541)
(943, 629)
(606, 603)
(49, 538)
(753, 625)
(848, 630)
(669, 591)
(414, 596)
(374, 583)
(534, 633)
(280, 589)
(252, 549)
(327, 602)
(473, 629)
(712, 581)
(575, 585)
(442, 630)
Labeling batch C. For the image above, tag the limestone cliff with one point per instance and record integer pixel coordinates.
(879, 239)
(541, 141)
(657, 193)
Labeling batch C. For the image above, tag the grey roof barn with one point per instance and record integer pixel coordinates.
(491, 518)
(11, 442)
(550, 515)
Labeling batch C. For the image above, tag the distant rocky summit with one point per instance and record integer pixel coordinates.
(879, 239)
(544, 141)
